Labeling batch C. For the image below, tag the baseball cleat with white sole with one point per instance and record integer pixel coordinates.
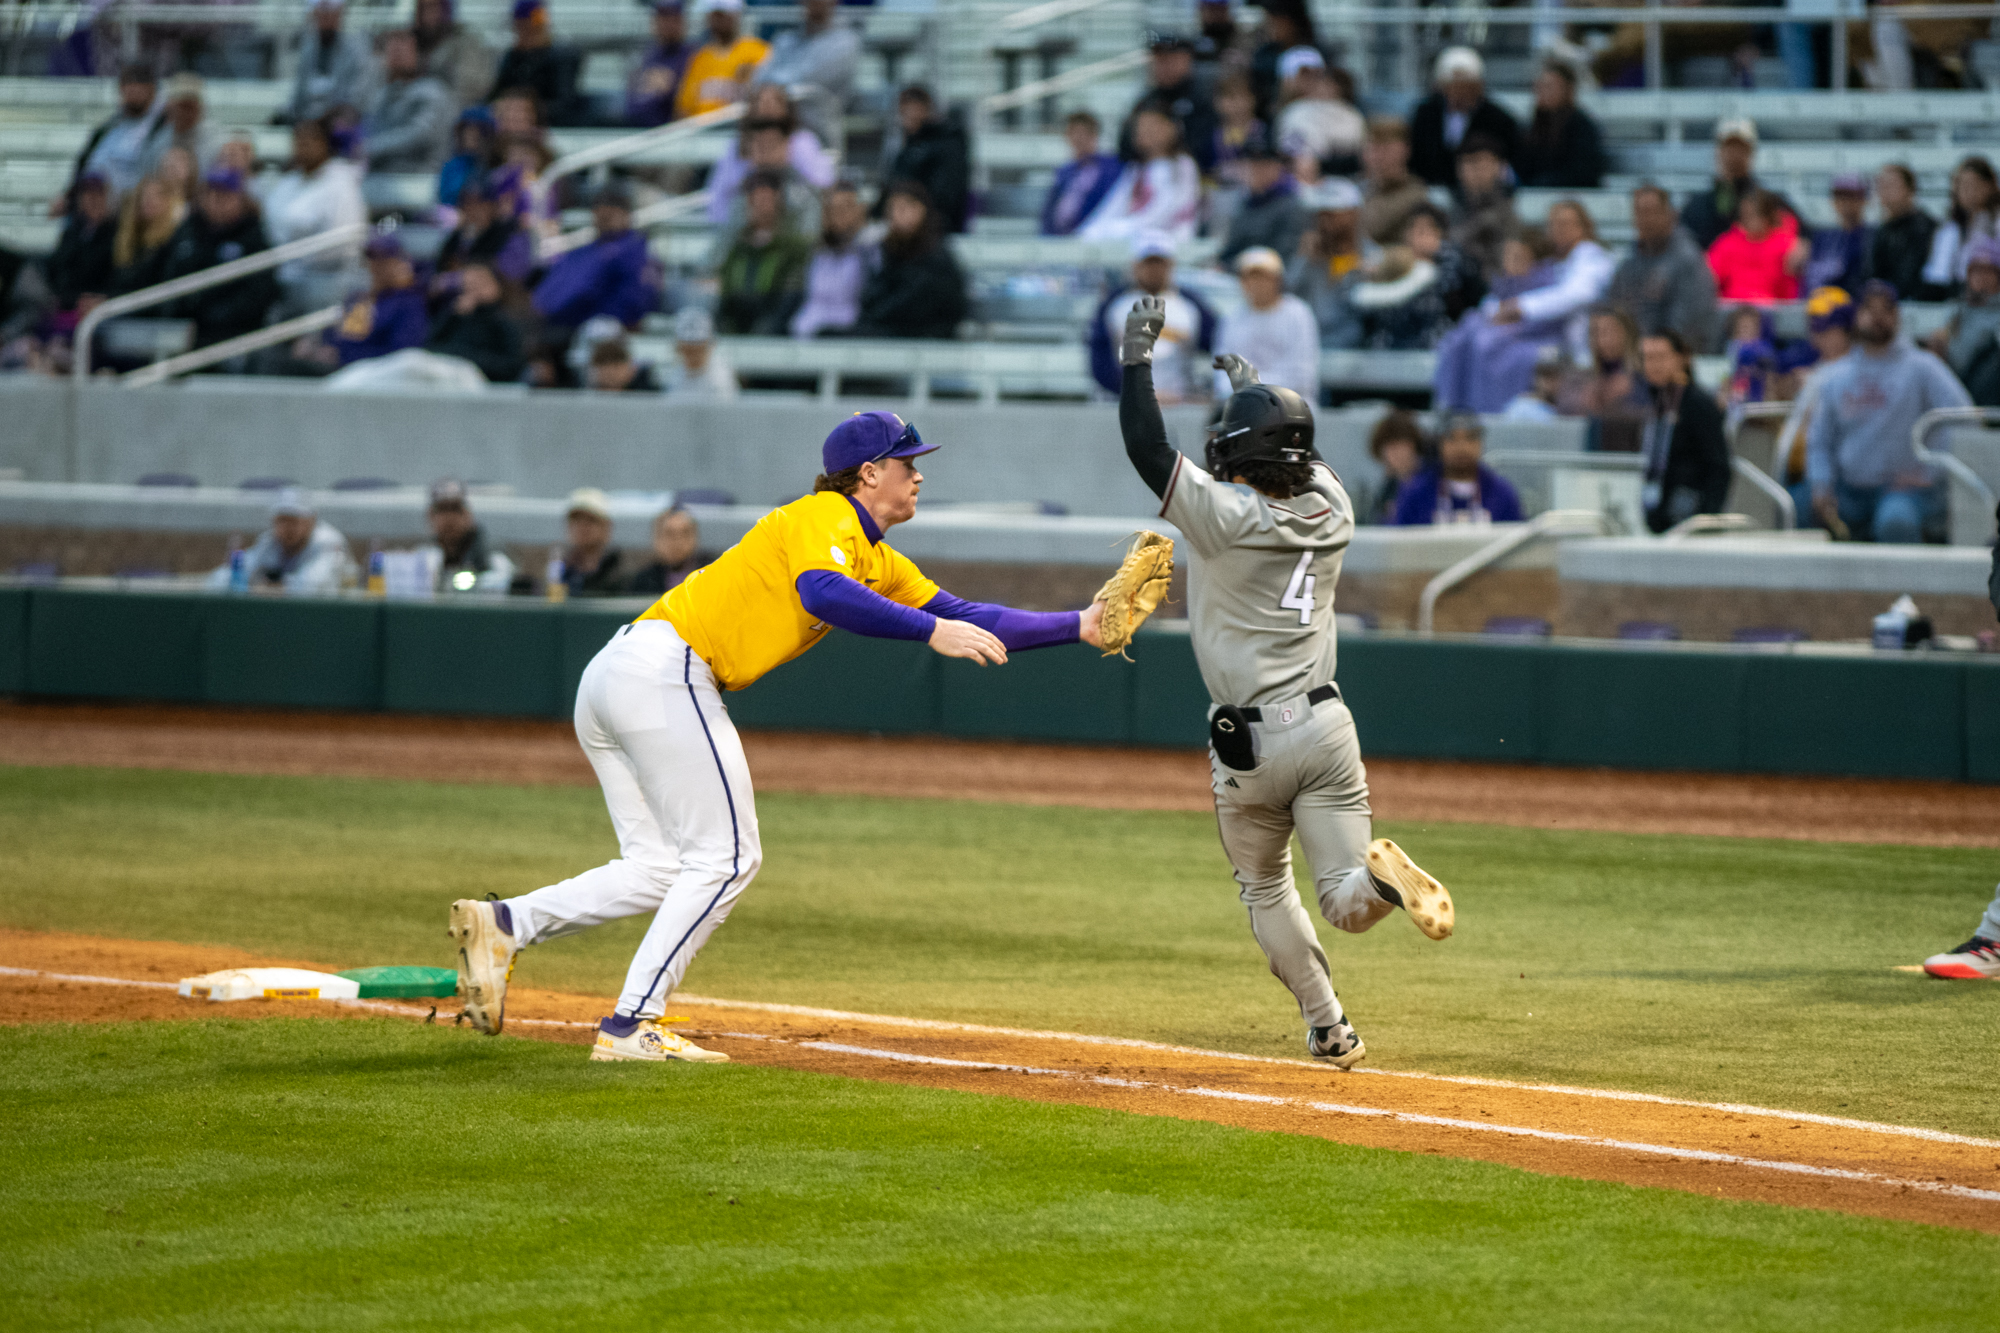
(646, 1039)
(1399, 880)
(1340, 1045)
(486, 954)
(1978, 959)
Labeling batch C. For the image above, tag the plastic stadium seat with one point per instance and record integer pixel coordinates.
(365, 484)
(180, 479)
(1648, 629)
(1053, 509)
(1524, 627)
(703, 495)
(265, 483)
(37, 571)
(1768, 634)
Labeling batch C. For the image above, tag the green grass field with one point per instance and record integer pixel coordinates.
(360, 1175)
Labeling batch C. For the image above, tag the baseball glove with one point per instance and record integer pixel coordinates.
(1136, 590)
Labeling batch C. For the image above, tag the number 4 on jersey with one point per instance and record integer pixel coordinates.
(1299, 592)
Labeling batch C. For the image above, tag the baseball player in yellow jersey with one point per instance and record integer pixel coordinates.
(650, 716)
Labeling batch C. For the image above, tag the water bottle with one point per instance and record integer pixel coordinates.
(378, 579)
(239, 566)
(553, 575)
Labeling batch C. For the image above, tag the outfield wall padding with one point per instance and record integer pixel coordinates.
(1916, 715)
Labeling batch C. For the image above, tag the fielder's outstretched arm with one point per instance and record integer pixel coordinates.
(840, 601)
(1139, 418)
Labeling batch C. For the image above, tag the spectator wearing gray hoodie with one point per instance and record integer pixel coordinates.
(1866, 482)
(408, 123)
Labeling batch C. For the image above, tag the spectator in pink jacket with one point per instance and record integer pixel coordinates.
(1759, 257)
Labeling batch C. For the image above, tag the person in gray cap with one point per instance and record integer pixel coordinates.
(465, 560)
(298, 553)
(698, 374)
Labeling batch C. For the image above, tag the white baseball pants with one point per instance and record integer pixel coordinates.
(654, 727)
(1308, 778)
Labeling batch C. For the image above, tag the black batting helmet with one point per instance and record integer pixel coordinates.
(1262, 422)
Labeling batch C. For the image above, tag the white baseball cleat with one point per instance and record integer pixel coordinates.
(646, 1039)
(486, 954)
(1340, 1045)
(1976, 959)
(1398, 879)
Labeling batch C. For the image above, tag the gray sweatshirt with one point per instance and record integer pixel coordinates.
(1670, 288)
(1861, 427)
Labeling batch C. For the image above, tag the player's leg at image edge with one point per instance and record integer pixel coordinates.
(1978, 959)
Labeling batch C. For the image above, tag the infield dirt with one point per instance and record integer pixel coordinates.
(1938, 814)
(1732, 1152)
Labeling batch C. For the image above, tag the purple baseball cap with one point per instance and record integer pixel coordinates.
(223, 178)
(384, 245)
(527, 9)
(1848, 182)
(1877, 287)
(870, 437)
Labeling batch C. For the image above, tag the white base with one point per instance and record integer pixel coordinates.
(269, 983)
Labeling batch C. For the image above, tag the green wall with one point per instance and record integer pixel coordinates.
(1889, 715)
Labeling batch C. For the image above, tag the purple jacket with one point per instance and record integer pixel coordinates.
(1417, 502)
(648, 110)
(612, 276)
(393, 321)
(1078, 189)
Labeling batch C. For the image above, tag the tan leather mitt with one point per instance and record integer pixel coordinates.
(1136, 590)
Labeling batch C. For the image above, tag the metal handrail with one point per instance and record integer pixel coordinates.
(202, 279)
(1036, 15)
(1788, 510)
(1780, 498)
(201, 357)
(1553, 523)
(1079, 77)
(631, 145)
(1704, 525)
(1960, 470)
(664, 210)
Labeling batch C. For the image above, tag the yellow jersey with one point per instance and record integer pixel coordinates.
(732, 63)
(742, 614)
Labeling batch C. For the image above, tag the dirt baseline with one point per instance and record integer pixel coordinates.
(1104, 777)
(1738, 1152)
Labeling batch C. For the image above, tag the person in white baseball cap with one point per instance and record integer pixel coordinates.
(1274, 331)
(1319, 129)
(1330, 259)
(1710, 212)
(298, 553)
(1457, 109)
(1180, 359)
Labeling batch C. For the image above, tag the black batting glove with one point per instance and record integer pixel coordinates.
(1143, 326)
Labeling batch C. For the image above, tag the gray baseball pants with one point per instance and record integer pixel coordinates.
(1308, 779)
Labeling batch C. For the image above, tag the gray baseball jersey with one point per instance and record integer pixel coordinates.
(1260, 582)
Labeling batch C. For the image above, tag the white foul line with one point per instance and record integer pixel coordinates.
(936, 1025)
(1437, 1121)
(1463, 1080)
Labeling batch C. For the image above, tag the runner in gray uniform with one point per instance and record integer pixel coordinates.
(1267, 525)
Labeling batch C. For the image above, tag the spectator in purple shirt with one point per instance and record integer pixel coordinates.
(613, 275)
(649, 100)
(390, 316)
(1082, 182)
(488, 233)
(1458, 487)
(840, 265)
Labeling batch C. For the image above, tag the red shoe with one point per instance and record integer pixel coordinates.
(1977, 959)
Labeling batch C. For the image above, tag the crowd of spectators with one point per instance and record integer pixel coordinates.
(1326, 219)
(302, 553)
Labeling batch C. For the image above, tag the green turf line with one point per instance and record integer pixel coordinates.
(348, 1176)
(1716, 969)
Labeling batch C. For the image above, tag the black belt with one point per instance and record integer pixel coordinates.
(1317, 696)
